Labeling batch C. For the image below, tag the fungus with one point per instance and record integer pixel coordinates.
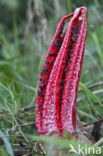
(58, 84)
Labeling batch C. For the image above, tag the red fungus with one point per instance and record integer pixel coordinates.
(58, 84)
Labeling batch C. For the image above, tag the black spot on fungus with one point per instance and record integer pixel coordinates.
(40, 106)
(42, 79)
(74, 37)
(61, 89)
(62, 82)
(70, 47)
(63, 72)
(66, 70)
(42, 85)
(45, 71)
(62, 25)
(70, 55)
(41, 114)
(74, 28)
(59, 48)
(70, 51)
(39, 90)
(68, 58)
(39, 93)
(52, 54)
(57, 42)
(59, 32)
(47, 62)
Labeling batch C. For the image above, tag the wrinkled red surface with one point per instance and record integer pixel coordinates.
(58, 84)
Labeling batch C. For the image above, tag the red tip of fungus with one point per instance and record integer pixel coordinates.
(58, 84)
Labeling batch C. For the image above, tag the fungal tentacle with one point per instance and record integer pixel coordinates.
(45, 72)
(72, 79)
